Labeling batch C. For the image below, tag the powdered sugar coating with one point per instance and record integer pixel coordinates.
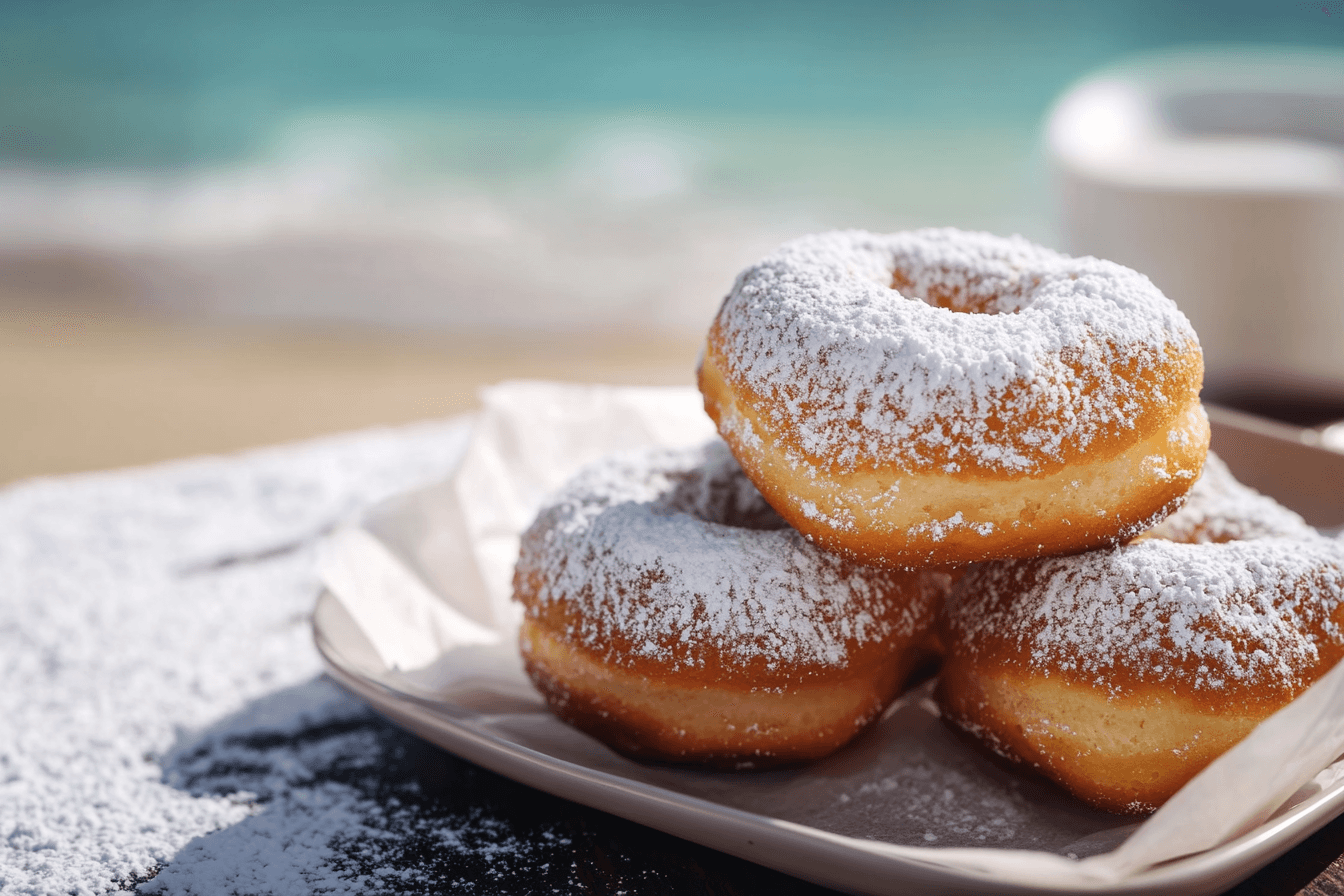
(1214, 618)
(860, 346)
(1218, 508)
(673, 556)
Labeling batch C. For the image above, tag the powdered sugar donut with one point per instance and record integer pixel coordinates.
(939, 397)
(672, 614)
(1121, 673)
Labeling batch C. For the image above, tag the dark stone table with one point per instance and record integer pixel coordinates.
(510, 839)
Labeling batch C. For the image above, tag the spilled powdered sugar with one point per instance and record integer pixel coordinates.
(334, 799)
(960, 810)
(842, 334)
(677, 552)
(912, 780)
(163, 723)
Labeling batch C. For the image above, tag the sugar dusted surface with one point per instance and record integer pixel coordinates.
(163, 714)
(1233, 591)
(677, 553)
(1247, 611)
(859, 370)
(1218, 508)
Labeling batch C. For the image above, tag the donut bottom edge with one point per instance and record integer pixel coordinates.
(726, 726)
(912, 520)
(1126, 755)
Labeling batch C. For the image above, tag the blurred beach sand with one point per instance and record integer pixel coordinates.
(159, 315)
(87, 381)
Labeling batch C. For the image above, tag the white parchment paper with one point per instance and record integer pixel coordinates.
(427, 577)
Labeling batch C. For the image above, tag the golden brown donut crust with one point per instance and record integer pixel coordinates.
(961, 518)
(847, 411)
(718, 721)
(670, 613)
(1121, 673)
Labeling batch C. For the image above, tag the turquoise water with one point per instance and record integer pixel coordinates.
(139, 84)
(537, 165)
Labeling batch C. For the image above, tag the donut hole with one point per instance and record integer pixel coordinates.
(962, 292)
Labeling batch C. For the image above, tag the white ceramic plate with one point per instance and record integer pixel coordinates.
(833, 860)
(782, 820)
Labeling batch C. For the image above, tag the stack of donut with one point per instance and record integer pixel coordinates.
(934, 444)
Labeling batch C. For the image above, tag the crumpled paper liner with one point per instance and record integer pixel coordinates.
(427, 577)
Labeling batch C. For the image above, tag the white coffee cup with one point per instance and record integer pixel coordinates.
(1220, 175)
